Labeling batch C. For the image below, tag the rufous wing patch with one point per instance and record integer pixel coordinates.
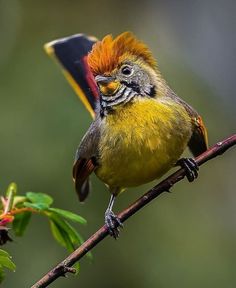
(199, 140)
(82, 168)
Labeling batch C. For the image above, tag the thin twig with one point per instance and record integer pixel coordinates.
(163, 186)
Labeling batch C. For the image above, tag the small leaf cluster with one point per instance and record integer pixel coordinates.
(17, 210)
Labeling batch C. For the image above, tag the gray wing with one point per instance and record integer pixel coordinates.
(86, 159)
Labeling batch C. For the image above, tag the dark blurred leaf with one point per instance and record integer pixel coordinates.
(69, 215)
(38, 206)
(39, 198)
(20, 223)
(6, 262)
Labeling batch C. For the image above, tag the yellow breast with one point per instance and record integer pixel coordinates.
(141, 141)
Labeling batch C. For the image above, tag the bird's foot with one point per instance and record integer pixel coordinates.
(113, 222)
(190, 166)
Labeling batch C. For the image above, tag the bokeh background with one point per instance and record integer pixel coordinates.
(183, 239)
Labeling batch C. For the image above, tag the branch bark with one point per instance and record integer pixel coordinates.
(99, 235)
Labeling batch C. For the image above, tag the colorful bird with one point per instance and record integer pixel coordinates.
(140, 127)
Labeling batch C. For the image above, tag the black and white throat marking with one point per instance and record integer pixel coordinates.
(124, 95)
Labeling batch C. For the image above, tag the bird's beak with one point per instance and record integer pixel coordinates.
(107, 84)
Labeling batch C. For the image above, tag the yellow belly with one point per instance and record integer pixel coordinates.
(142, 141)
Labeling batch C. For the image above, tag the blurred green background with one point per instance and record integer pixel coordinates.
(183, 239)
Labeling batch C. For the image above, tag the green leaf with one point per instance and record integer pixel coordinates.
(20, 223)
(18, 200)
(57, 233)
(77, 267)
(4, 253)
(61, 236)
(89, 255)
(69, 245)
(67, 229)
(37, 206)
(10, 194)
(12, 189)
(74, 235)
(69, 215)
(39, 198)
(65, 226)
(2, 274)
(6, 262)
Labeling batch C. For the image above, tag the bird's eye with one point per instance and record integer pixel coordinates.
(126, 70)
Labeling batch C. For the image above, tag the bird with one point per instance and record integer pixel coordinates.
(140, 127)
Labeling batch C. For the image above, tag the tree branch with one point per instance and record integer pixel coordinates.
(98, 236)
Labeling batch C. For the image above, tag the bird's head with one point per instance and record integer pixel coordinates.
(124, 69)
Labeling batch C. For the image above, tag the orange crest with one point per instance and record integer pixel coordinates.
(107, 54)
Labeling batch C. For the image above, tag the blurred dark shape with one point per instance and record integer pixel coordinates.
(4, 237)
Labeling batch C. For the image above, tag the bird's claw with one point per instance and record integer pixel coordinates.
(113, 222)
(190, 166)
